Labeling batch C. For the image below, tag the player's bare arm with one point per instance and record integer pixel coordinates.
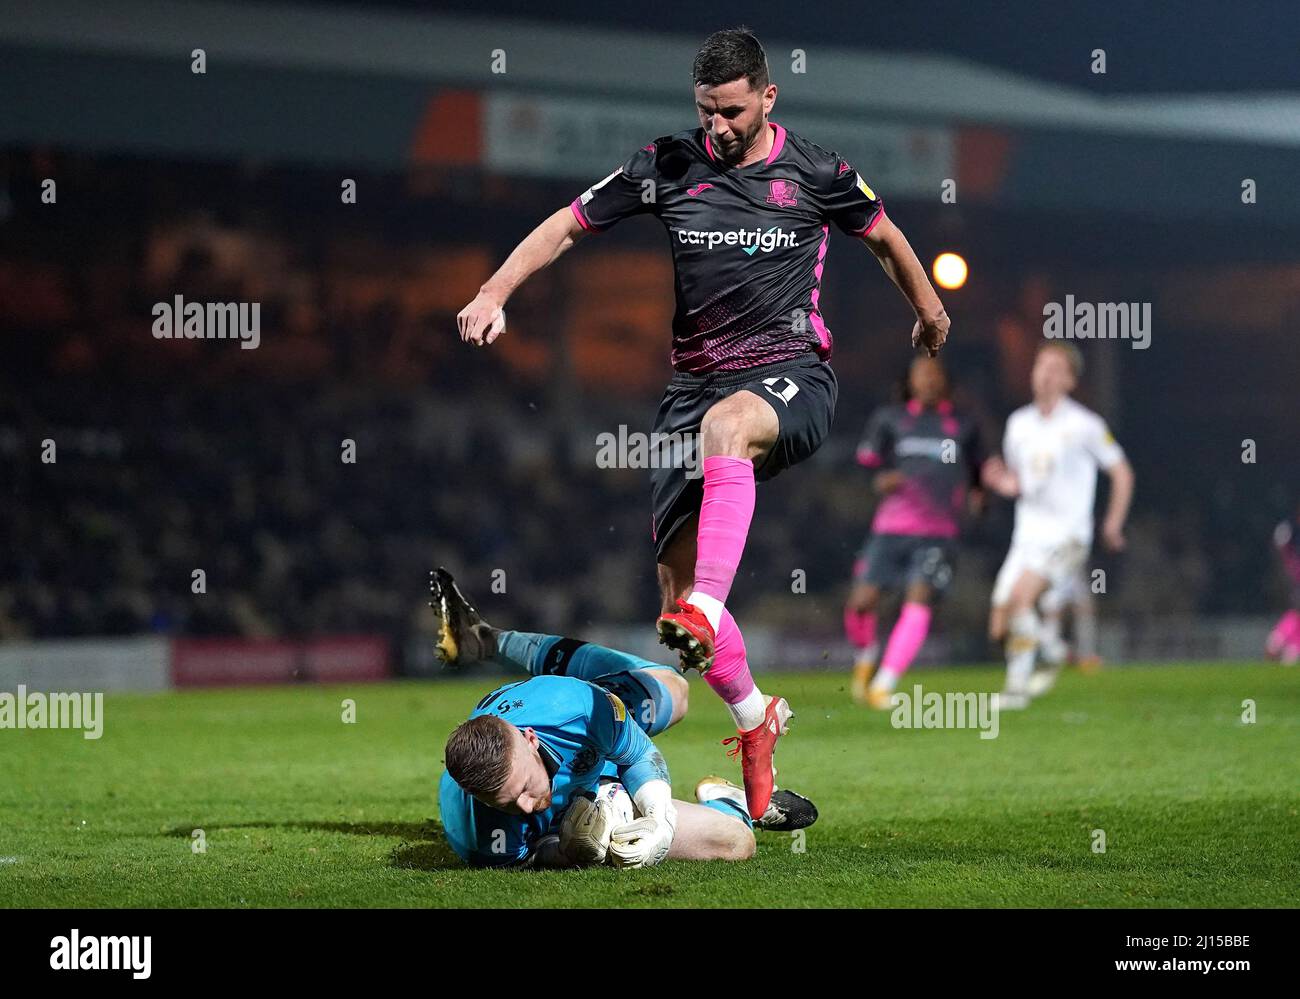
(483, 320)
(1121, 496)
(899, 260)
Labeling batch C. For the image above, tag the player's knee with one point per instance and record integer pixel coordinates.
(724, 432)
(744, 845)
(736, 844)
(741, 426)
(681, 694)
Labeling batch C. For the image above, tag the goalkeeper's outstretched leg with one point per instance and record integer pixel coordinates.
(718, 828)
(657, 696)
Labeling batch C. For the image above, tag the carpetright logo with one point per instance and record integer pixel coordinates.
(94, 953)
(749, 240)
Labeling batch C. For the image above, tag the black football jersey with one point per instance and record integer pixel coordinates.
(748, 243)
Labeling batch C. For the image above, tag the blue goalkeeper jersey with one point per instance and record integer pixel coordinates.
(583, 732)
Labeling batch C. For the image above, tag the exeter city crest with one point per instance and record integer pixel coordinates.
(784, 193)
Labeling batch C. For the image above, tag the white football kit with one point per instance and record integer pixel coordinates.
(1055, 458)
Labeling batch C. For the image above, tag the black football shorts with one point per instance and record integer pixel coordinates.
(803, 392)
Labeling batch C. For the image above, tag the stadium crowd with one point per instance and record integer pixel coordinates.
(172, 456)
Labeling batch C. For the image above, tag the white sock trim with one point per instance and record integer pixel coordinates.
(749, 712)
(710, 607)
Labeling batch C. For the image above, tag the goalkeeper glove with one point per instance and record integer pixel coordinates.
(644, 842)
(585, 831)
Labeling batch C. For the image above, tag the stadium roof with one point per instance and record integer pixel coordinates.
(579, 58)
(1155, 48)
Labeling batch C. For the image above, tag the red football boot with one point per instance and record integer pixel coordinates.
(755, 749)
(689, 634)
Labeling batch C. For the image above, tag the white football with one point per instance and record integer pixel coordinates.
(620, 802)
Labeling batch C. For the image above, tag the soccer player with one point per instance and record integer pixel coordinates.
(928, 456)
(1284, 640)
(520, 771)
(748, 207)
(1051, 451)
(1074, 597)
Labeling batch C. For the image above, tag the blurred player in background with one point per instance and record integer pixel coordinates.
(748, 207)
(1051, 451)
(1284, 640)
(1073, 597)
(928, 458)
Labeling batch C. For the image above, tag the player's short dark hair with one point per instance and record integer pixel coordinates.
(478, 754)
(728, 55)
(1072, 355)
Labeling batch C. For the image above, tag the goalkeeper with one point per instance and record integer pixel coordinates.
(522, 771)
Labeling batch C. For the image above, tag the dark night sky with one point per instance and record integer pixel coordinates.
(1174, 46)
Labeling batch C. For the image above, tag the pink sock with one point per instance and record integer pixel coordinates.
(1292, 618)
(1286, 632)
(860, 628)
(729, 675)
(906, 639)
(725, 513)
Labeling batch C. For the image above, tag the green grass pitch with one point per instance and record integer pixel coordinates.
(299, 809)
